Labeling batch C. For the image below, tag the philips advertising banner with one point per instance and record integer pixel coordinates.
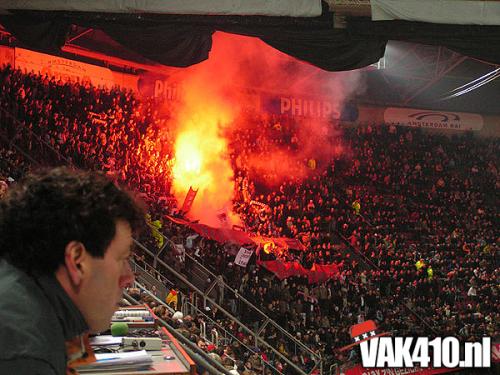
(158, 86)
(169, 88)
(298, 106)
(305, 106)
(421, 118)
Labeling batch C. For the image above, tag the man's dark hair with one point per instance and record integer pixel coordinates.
(48, 210)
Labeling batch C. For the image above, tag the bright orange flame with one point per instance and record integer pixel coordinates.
(269, 247)
(201, 158)
(189, 160)
(197, 150)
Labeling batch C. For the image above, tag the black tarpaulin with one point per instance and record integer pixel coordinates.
(186, 40)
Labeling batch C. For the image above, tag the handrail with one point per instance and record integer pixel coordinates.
(264, 316)
(143, 288)
(226, 313)
(36, 136)
(201, 313)
(198, 355)
(214, 336)
(18, 149)
(369, 263)
(143, 269)
(374, 266)
(226, 334)
(203, 330)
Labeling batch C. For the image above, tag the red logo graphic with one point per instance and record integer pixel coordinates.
(363, 331)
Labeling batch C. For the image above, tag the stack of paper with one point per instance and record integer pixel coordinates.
(139, 360)
(106, 340)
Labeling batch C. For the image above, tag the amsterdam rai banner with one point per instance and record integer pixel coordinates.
(422, 118)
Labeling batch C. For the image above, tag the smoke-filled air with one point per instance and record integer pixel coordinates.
(225, 102)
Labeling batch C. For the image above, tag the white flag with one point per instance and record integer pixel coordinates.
(242, 257)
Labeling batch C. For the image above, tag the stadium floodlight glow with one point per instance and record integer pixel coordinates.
(379, 64)
(481, 81)
(477, 79)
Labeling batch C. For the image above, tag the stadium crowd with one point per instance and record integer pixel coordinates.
(410, 216)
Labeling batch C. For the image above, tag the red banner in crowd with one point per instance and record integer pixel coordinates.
(188, 201)
(289, 243)
(283, 270)
(322, 272)
(280, 242)
(224, 235)
(317, 274)
(359, 370)
(278, 268)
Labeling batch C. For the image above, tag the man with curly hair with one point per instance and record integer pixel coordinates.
(65, 243)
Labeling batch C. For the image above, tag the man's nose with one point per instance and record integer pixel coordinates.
(127, 278)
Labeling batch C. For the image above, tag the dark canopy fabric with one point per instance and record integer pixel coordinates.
(185, 40)
(329, 49)
(171, 44)
(177, 42)
(37, 33)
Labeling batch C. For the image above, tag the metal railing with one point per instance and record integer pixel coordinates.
(148, 277)
(217, 327)
(260, 341)
(227, 337)
(196, 354)
(372, 265)
(143, 289)
(27, 141)
(264, 320)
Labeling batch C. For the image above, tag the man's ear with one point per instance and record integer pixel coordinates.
(74, 258)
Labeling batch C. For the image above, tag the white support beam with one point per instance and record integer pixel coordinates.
(463, 12)
(291, 8)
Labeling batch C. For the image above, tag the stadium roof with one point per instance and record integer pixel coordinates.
(334, 35)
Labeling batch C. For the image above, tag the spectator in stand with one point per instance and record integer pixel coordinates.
(3, 188)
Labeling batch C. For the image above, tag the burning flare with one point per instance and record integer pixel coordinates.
(201, 161)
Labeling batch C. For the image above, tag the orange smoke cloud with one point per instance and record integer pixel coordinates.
(222, 95)
(316, 144)
(245, 62)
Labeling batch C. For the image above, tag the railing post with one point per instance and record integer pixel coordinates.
(155, 260)
(215, 337)
(194, 303)
(262, 327)
(203, 330)
(184, 309)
